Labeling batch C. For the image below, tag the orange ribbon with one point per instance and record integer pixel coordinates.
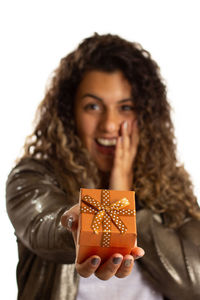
(105, 213)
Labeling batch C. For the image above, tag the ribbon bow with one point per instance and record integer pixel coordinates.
(105, 213)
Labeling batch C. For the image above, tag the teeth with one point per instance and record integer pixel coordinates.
(107, 142)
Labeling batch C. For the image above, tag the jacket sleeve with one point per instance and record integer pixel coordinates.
(35, 203)
(172, 257)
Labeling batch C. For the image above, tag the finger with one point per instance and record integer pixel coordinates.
(89, 266)
(134, 136)
(125, 267)
(110, 267)
(125, 137)
(137, 252)
(70, 220)
(118, 151)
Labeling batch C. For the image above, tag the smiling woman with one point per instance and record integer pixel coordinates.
(104, 103)
(104, 123)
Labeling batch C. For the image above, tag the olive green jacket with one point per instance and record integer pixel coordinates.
(35, 203)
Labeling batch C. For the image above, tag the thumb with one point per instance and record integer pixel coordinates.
(70, 218)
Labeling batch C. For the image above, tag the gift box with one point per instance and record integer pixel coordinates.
(107, 223)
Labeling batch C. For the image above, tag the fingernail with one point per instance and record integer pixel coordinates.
(137, 257)
(117, 260)
(70, 222)
(95, 261)
(127, 262)
(125, 124)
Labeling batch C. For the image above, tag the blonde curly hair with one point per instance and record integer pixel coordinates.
(161, 184)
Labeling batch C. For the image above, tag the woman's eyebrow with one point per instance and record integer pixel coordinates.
(125, 100)
(92, 96)
(100, 99)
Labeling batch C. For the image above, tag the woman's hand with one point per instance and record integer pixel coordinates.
(121, 176)
(116, 265)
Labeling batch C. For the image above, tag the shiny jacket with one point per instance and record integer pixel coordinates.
(35, 203)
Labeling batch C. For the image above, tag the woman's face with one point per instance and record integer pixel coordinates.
(103, 102)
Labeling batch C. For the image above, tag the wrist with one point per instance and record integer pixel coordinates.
(123, 183)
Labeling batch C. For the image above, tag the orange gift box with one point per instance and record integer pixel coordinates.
(107, 223)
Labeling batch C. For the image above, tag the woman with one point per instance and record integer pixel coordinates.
(104, 123)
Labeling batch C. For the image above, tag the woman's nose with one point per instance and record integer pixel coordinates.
(109, 123)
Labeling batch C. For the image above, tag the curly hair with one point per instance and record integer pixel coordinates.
(160, 182)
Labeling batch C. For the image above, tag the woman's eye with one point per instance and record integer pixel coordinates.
(127, 108)
(91, 106)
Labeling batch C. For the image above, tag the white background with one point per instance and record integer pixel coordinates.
(36, 34)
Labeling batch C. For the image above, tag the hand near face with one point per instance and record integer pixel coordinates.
(121, 176)
(116, 265)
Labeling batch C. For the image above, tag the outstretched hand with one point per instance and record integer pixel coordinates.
(118, 265)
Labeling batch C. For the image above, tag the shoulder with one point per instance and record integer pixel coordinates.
(32, 167)
(30, 173)
(32, 164)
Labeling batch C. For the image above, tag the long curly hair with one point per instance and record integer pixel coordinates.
(160, 182)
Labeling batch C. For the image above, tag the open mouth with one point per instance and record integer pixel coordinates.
(106, 142)
(106, 146)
